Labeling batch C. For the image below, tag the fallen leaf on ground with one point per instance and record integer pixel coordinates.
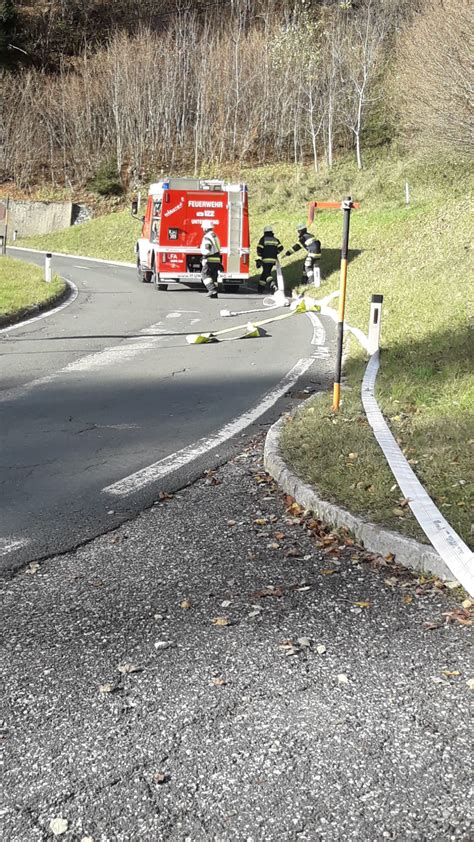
(33, 567)
(270, 590)
(353, 456)
(403, 503)
(273, 546)
(304, 642)
(430, 625)
(87, 839)
(160, 777)
(279, 536)
(450, 673)
(293, 552)
(58, 826)
(328, 571)
(407, 599)
(458, 615)
(219, 681)
(467, 603)
(389, 557)
(163, 495)
(231, 523)
(392, 582)
(107, 688)
(162, 644)
(342, 678)
(470, 683)
(398, 512)
(320, 649)
(261, 521)
(451, 584)
(220, 621)
(226, 603)
(127, 669)
(362, 604)
(186, 603)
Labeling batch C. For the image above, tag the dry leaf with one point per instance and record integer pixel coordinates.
(353, 456)
(231, 523)
(328, 571)
(87, 839)
(450, 673)
(219, 681)
(342, 678)
(398, 512)
(431, 625)
(106, 688)
(273, 546)
(320, 649)
(279, 536)
(58, 826)
(403, 502)
(362, 604)
(390, 557)
(33, 567)
(459, 615)
(221, 621)
(160, 777)
(304, 642)
(470, 683)
(127, 669)
(407, 599)
(467, 603)
(162, 644)
(261, 521)
(163, 495)
(186, 603)
(226, 603)
(452, 584)
(392, 582)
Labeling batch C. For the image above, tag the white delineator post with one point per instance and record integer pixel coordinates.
(375, 323)
(279, 296)
(407, 193)
(317, 276)
(47, 267)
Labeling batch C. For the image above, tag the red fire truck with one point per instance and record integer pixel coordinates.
(168, 250)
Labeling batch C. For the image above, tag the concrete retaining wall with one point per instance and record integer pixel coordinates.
(30, 218)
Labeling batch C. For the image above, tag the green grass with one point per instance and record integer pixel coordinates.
(22, 286)
(418, 258)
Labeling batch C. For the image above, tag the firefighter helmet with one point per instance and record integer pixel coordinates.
(268, 229)
(300, 228)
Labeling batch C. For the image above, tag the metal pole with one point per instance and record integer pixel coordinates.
(375, 324)
(346, 207)
(6, 226)
(47, 268)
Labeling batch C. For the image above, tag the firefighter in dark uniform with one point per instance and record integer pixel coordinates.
(313, 252)
(211, 259)
(268, 249)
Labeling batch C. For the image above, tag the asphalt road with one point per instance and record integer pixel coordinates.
(108, 386)
(333, 706)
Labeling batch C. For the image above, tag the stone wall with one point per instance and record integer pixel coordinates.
(30, 218)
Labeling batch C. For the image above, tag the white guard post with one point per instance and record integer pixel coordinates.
(279, 296)
(375, 323)
(15, 235)
(47, 268)
(317, 276)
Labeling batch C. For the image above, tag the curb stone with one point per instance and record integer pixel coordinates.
(376, 539)
(36, 309)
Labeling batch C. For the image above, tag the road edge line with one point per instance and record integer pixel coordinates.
(76, 257)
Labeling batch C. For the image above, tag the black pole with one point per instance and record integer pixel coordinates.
(346, 207)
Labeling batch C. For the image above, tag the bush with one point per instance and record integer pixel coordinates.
(106, 181)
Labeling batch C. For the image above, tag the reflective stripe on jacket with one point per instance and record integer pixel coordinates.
(268, 249)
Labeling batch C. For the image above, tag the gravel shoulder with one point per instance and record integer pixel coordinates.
(256, 700)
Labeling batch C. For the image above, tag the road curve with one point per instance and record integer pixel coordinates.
(103, 404)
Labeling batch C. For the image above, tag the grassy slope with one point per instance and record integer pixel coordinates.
(22, 286)
(418, 259)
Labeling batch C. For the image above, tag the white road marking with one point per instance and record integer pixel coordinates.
(452, 549)
(194, 321)
(8, 545)
(173, 316)
(70, 300)
(175, 461)
(77, 257)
